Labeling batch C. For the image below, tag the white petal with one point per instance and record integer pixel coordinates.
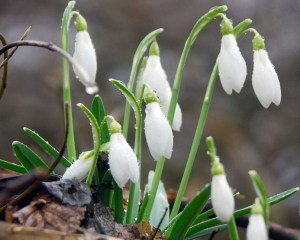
(165, 104)
(160, 204)
(155, 76)
(256, 229)
(222, 198)
(265, 81)
(158, 132)
(85, 55)
(122, 160)
(232, 66)
(80, 168)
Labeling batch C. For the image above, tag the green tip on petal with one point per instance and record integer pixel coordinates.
(257, 208)
(81, 24)
(115, 127)
(226, 26)
(150, 97)
(154, 49)
(258, 42)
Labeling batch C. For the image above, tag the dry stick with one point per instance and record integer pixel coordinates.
(47, 45)
(212, 235)
(52, 167)
(159, 224)
(4, 76)
(25, 34)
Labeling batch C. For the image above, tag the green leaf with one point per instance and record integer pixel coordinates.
(12, 166)
(241, 212)
(261, 193)
(99, 113)
(207, 231)
(96, 140)
(46, 146)
(143, 208)
(128, 94)
(28, 157)
(189, 214)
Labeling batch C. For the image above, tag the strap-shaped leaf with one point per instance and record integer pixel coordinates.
(128, 94)
(207, 231)
(12, 166)
(28, 157)
(261, 193)
(99, 113)
(46, 146)
(189, 214)
(214, 222)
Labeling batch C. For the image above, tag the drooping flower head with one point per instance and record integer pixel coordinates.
(265, 80)
(158, 131)
(221, 194)
(232, 66)
(85, 55)
(81, 167)
(257, 227)
(155, 76)
(121, 158)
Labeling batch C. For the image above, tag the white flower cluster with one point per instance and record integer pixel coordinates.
(233, 69)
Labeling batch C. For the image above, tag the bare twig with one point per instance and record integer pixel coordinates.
(212, 235)
(159, 224)
(52, 167)
(24, 35)
(5, 61)
(51, 47)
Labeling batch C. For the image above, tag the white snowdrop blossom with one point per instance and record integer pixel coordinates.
(265, 81)
(122, 160)
(160, 204)
(222, 198)
(232, 66)
(256, 229)
(85, 55)
(155, 76)
(80, 168)
(158, 132)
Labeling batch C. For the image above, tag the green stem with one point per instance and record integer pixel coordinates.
(198, 27)
(135, 192)
(152, 193)
(196, 140)
(66, 79)
(239, 30)
(119, 211)
(233, 233)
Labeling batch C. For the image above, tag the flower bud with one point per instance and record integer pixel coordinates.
(158, 132)
(121, 158)
(85, 55)
(80, 168)
(257, 229)
(155, 76)
(265, 81)
(232, 66)
(160, 204)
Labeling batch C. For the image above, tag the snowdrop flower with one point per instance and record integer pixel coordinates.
(155, 76)
(232, 66)
(85, 55)
(158, 131)
(81, 167)
(257, 229)
(121, 158)
(265, 81)
(160, 204)
(221, 194)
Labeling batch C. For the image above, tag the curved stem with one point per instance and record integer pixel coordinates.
(198, 27)
(67, 15)
(239, 30)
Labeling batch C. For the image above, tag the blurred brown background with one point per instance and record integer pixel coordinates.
(247, 136)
